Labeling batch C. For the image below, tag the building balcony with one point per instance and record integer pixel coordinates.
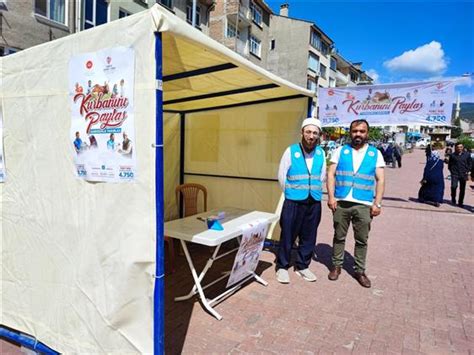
(240, 13)
(342, 79)
(242, 47)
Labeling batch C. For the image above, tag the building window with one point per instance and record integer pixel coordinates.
(272, 44)
(255, 47)
(256, 13)
(315, 40)
(231, 30)
(95, 13)
(322, 69)
(324, 48)
(167, 3)
(311, 85)
(354, 77)
(189, 14)
(53, 9)
(332, 83)
(333, 64)
(123, 13)
(7, 50)
(313, 62)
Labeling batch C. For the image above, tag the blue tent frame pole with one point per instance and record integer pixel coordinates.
(159, 292)
(26, 341)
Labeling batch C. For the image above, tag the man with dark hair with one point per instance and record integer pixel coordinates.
(459, 165)
(355, 173)
(301, 173)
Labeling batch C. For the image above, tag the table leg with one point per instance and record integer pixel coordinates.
(197, 280)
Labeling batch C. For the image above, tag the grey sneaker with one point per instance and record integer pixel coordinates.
(283, 276)
(307, 275)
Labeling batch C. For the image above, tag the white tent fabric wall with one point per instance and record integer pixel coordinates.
(77, 257)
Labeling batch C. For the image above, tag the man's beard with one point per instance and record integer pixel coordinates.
(358, 140)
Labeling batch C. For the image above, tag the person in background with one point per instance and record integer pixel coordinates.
(398, 153)
(432, 184)
(301, 172)
(459, 166)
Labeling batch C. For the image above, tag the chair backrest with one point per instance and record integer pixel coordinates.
(190, 193)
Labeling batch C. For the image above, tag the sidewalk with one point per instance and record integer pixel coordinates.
(421, 265)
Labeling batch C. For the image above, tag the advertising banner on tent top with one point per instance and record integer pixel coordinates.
(426, 103)
(102, 129)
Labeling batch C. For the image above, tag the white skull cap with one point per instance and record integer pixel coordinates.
(311, 121)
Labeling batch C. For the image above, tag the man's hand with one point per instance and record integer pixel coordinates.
(375, 211)
(332, 204)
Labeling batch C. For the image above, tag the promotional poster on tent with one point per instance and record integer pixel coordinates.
(102, 130)
(2, 160)
(427, 103)
(246, 260)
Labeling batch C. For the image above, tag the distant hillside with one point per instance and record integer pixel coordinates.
(467, 111)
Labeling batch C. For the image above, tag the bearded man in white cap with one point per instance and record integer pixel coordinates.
(301, 173)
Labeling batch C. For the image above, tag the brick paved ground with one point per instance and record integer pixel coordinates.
(422, 269)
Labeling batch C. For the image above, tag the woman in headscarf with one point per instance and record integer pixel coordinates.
(432, 185)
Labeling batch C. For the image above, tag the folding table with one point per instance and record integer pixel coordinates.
(193, 229)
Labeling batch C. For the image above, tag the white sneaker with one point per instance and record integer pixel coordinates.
(283, 276)
(307, 275)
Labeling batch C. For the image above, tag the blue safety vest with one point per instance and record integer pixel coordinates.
(300, 183)
(362, 182)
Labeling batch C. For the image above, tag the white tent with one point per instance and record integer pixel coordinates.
(82, 262)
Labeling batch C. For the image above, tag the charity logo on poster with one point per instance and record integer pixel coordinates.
(248, 255)
(102, 135)
(422, 103)
(2, 159)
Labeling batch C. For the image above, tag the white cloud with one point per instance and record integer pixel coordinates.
(374, 75)
(428, 59)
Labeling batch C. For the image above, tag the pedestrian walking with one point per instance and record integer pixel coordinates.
(398, 153)
(301, 173)
(459, 165)
(432, 184)
(355, 173)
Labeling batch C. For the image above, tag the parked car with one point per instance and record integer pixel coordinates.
(423, 142)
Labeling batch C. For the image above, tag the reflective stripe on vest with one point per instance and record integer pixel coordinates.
(300, 183)
(361, 182)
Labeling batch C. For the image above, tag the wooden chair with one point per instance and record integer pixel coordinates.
(190, 194)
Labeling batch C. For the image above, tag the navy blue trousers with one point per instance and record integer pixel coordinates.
(298, 220)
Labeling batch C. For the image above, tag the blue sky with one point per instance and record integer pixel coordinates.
(398, 41)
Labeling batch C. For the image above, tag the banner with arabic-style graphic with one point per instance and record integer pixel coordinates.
(425, 103)
(102, 132)
(2, 159)
(248, 255)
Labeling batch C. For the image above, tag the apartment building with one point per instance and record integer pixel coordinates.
(243, 26)
(184, 10)
(299, 51)
(345, 73)
(26, 23)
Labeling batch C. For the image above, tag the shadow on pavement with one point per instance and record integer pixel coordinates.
(178, 314)
(323, 254)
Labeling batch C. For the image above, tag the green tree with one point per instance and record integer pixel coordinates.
(375, 133)
(466, 141)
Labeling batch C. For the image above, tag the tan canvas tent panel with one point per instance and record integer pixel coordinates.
(79, 258)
